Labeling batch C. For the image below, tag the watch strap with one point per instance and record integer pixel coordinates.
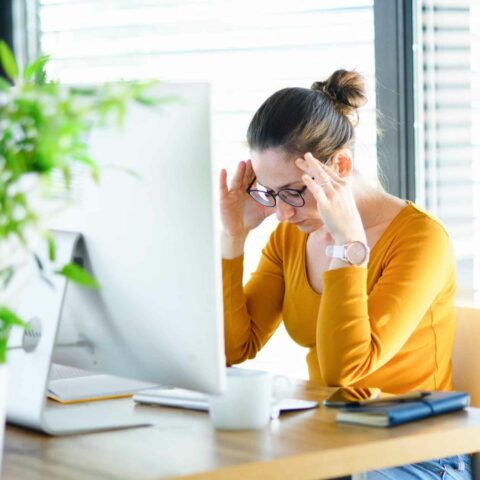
(335, 251)
(342, 252)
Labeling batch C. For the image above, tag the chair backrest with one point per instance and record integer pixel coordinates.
(466, 353)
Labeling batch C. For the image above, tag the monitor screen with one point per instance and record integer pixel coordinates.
(150, 239)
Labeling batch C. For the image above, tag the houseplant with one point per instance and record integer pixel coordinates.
(44, 127)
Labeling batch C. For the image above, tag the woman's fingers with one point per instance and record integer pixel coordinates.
(316, 189)
(323, 168)
(314, 168)
(319, 168)
(223, 183)
(249, 174)
(237, 179)
(241, 180)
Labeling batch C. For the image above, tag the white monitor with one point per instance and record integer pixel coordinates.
(150, 239)
(151, 242)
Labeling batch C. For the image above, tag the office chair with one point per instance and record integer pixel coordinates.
(466, 363)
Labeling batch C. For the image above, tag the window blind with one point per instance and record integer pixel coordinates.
(449, 177)
(246, 50)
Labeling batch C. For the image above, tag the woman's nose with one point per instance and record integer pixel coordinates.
(284, 211)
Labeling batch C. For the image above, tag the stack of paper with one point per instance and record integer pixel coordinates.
(94, 387)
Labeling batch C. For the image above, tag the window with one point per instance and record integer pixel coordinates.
(448, 165)
(246, 50)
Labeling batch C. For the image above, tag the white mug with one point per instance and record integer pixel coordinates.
(249, 400)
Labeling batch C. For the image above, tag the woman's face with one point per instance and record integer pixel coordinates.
(276, 170)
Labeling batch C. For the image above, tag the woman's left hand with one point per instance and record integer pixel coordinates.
(335, 202)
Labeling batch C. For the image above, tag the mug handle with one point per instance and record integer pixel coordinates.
(282, 388)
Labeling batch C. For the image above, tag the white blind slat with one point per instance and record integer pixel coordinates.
(451, 107)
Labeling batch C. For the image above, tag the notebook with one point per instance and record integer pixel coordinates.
(395, 413)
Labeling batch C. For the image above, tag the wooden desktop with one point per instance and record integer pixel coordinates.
(301, 445)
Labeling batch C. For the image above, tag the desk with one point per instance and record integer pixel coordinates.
(302, 445)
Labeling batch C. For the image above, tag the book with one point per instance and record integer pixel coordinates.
(389, 414)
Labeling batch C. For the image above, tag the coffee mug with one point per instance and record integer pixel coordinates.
(249, 401)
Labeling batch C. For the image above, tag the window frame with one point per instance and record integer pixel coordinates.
(394, 73)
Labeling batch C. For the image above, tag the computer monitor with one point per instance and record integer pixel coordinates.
(150, 238)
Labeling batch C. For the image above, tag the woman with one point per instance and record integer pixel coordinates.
(364, 279)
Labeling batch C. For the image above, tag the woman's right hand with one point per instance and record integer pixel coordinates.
(239, 212)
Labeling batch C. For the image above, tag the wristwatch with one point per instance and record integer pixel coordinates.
(355, 253)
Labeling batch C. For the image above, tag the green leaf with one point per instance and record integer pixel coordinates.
(7, 59)
(9, 319)
(67, 176)
(169, 99)
(3, 349)
(86, 160)
(4, 85)
(83, 91)
(52, 251)
(148, 102)
(36, 67)
(77, 274)
(6, 275)
(94, 168)
(129, 171)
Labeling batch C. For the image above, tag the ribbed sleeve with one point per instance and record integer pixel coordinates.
(252, 313)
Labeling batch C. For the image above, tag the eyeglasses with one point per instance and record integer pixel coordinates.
(268, 198)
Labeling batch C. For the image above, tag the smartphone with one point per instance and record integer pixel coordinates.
(356, 396)
(351, 396)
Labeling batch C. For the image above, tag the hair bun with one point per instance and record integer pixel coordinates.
(345, 88)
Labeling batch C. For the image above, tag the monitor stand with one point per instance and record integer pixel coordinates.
(30, 358)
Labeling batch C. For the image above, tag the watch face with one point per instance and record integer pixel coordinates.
(356, 253)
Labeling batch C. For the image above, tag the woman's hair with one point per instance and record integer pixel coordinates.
(320, 119)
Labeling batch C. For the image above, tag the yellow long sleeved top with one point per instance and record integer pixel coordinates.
(390, 325)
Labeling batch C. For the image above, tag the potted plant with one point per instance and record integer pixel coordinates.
(43, 130)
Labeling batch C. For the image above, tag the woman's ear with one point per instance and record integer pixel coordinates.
(342, 162)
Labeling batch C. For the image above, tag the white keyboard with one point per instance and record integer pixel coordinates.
(173, 397)
(179, 397)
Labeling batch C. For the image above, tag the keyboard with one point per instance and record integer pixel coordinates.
(181, 398)
(173, 397)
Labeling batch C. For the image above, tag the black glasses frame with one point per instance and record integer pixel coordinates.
(277, 194)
